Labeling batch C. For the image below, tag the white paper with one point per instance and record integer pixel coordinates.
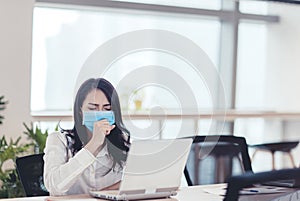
(262, 190)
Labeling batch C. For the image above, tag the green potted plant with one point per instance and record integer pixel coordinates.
(10, 185)
(37, 136)
(9, 151)
(138, 97)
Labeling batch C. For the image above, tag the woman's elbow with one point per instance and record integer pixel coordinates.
(53, 186)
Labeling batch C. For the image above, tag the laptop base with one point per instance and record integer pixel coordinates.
(114, 195)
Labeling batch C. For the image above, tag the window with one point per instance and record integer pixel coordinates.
(251, 66)
(64, 38)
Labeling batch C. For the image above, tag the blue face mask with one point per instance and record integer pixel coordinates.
(90, 117)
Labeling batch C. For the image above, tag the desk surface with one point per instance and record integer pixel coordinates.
(193, 193)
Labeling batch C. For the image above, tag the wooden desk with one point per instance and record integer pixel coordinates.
(193, 193)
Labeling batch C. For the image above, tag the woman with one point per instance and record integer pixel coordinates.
(92, 154)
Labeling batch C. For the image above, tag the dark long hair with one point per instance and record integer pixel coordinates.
(118, 139)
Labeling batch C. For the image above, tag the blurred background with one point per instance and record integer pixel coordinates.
(253, 45)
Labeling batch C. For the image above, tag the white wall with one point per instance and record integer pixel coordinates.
(15, 57)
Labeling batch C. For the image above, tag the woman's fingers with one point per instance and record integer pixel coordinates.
(108, 129)
(103, 126)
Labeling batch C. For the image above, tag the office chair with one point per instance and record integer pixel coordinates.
(238, 182)
(224, 149)
(30, 170)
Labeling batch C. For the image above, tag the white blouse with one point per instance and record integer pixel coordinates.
(78, 174)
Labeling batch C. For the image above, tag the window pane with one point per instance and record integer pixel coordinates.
(254, 7)
(251, 66)
(178, 128)
(64, 38)
(143, 129)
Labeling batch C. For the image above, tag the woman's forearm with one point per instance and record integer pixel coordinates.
(60, 177)
(115, 186)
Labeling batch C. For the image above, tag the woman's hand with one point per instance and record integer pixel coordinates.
(101, 130)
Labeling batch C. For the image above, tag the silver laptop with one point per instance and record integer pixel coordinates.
(153, 170)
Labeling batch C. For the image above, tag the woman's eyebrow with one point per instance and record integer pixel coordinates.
(106, 105)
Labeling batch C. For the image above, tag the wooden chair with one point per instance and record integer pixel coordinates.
(285, 147)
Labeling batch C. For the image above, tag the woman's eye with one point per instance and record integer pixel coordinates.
(91, 108)
(107, 109)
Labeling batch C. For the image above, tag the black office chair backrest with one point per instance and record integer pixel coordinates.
(218, 146)
(238, 182)
(30, 170)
